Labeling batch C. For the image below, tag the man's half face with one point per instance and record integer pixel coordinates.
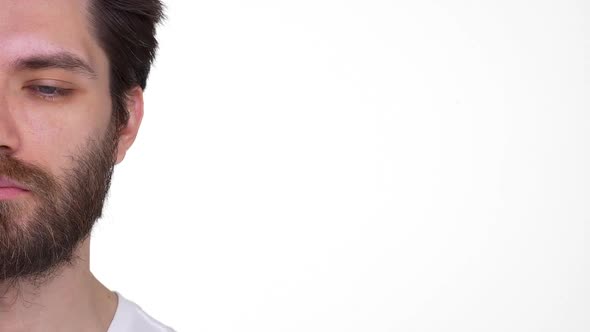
(57, 140)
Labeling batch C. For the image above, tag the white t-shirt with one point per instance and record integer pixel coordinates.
(129, 317)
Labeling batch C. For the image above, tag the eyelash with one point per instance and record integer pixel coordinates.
(58, 92)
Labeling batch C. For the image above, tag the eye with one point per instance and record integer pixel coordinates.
(49, 92)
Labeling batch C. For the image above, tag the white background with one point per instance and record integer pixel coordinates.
(322, 165)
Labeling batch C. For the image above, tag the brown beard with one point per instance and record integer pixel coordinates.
(40, 235)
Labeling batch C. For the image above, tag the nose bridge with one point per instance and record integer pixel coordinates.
(9, 136)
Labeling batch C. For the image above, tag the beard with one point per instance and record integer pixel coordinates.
(40, 233)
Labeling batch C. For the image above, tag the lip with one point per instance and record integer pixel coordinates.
(10, 189)
(10, 184)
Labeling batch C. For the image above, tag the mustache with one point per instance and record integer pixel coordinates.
(33, 177)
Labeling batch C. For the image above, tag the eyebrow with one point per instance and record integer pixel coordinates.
(61, 60)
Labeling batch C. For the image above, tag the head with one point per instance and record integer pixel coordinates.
(72, 76)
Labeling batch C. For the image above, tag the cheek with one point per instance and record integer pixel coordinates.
(52, 148)
(52, 135)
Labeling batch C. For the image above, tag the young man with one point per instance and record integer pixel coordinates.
(72, 74)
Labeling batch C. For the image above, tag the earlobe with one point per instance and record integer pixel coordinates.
(128, 132)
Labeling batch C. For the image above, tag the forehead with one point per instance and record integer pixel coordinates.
(35, 27)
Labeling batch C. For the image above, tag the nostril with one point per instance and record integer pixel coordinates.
(5, 150)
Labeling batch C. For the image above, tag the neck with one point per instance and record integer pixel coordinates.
(72, 300)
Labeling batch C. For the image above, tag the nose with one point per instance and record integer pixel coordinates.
(9, 137)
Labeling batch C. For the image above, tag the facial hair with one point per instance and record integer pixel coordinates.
(39, 234)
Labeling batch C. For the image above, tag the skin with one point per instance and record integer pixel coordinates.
(44, 128)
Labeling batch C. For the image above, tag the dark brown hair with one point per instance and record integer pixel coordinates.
(126, 31)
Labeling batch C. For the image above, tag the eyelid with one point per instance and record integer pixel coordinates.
(62, 89)
(59, 91)
(51, 82)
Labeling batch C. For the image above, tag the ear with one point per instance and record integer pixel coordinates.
(129, 131)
